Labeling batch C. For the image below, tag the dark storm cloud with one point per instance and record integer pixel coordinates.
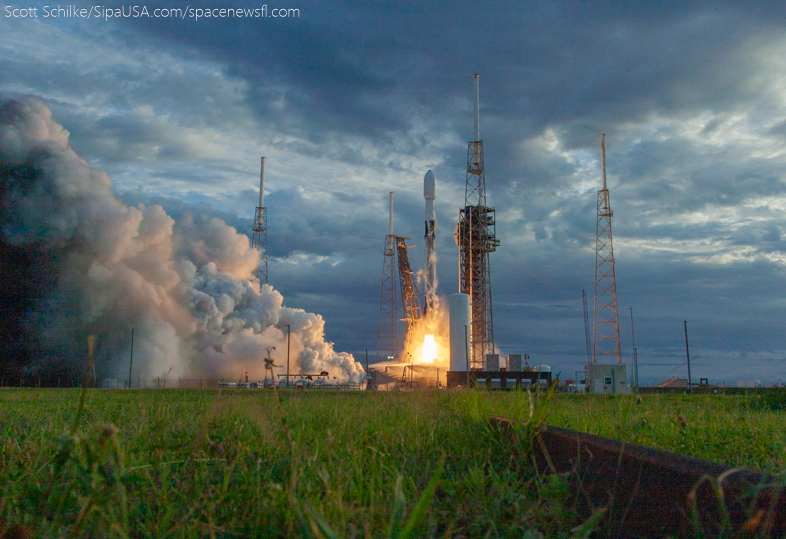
(356, 67)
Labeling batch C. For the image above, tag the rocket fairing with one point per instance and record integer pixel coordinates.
(430, 194)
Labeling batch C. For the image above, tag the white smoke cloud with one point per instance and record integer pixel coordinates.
(186, 287)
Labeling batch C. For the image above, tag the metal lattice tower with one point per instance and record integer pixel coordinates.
(410, 298)
(387, 335)
(607, 327)
(475, 236)
(259, 238)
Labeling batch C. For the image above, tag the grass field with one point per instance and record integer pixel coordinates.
(192, 463)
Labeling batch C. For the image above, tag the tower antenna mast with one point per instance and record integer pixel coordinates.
(607, 327)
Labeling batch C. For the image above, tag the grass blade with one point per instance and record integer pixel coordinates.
(318, 525)
(423, 502)
(399, 503)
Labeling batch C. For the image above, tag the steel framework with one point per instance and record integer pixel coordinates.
(387, 335)
(410, 298)
(259, 229)
(607, 327)
(476, 238)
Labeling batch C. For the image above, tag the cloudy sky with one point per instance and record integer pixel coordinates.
(351, 100)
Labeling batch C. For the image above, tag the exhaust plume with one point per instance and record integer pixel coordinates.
(76, 261)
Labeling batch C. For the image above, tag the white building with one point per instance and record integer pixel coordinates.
(607, 378)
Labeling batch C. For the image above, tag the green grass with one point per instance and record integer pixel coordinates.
(735, 430)
(191, 463)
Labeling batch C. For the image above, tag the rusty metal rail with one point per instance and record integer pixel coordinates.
(654, 493)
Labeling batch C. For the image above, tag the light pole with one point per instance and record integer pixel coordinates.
(289, 334)
(410, 371)
(634, 358)
(130, 363)
(687, 353)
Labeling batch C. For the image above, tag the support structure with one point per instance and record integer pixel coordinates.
(475, 236)
(410, 298)
(387, 335)
(259, 238)
(607, 327)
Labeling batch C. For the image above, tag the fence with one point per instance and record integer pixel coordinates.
(165, 383)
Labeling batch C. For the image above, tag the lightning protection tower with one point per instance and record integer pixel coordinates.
(607, 327)
(259, 238)
(475, 236)
(387, 335)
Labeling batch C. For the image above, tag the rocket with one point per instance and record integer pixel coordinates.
(430, 194)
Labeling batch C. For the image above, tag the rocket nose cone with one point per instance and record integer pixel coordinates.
(429, 185)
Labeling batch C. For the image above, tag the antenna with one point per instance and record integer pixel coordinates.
(390, 225)
(607, 327)
(603, 159)
(476, 115)
(262, 185)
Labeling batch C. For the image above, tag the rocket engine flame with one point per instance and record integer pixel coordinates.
(76, 261)
(429, 353)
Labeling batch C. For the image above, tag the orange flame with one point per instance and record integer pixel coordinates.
(429, 349)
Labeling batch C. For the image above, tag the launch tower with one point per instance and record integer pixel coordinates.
(475, 236)
(259, 238)
(607, 327)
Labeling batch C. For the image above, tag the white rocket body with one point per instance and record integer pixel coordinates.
(430, 194)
